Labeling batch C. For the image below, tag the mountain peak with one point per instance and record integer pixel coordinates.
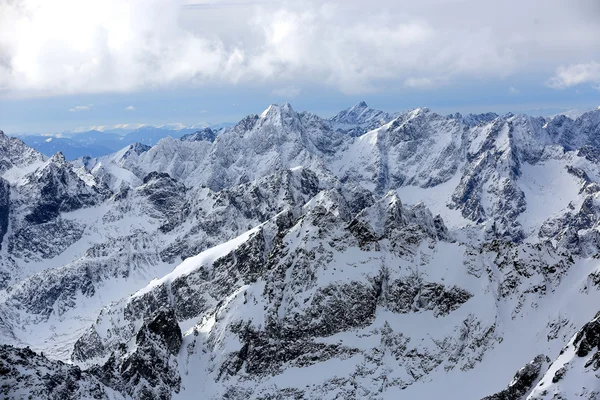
(273, 108)
(139, 148)
(277, 110)
(58, 158)
(205, 134)
(279, 116)
(359, 119)
(419, 110)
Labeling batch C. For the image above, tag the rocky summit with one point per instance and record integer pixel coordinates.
(365, 256)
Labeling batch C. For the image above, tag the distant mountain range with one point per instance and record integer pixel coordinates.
(95, 143)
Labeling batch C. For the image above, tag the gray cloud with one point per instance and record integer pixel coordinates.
(65, 47)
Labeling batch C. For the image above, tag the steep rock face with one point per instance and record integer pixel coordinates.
(418, 148)
(225, 214)
(104, 270)
(149, 371)
(167, 197)
(34, 199)
(45, 240)
(205, 134)
(574, 372)
(523, 381)
(27, 375)
(574, 134)
(4, 208)
(489, 179)
(277, 139)
(476, 119)
(359, 119)
(55, 188)
(319, 289)
(16, 158)
(577, 230)
(109, 170)
(483, 162)
(180, 159)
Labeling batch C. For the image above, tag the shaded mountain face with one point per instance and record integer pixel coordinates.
(367, 255)
(359, 119)
(206, 134)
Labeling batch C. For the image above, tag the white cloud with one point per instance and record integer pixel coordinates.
(103, 128)
(418, 82)
(72, 47)
(287, 91)
(81, 108)
(575, 74)
(513, 90)
(129, 108)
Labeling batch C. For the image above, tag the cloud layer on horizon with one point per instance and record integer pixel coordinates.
(97, 46)
(80, 108)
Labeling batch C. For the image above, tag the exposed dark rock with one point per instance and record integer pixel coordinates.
(150, 371)
(205, 134)
(46, 239)
(413, 295)
(588, 338)
(88, 346)
(56, 188)
(263, 354)
(523, 381)
(4, 208)
(25, 373)
(165, 326)
(167, 197)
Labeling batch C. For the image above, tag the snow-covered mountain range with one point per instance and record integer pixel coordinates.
(368, 255)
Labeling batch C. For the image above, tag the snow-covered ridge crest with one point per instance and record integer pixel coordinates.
(204, 259)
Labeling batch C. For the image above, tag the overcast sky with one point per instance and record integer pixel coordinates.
(66, 64)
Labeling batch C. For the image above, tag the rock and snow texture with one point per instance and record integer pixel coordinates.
(369, 255)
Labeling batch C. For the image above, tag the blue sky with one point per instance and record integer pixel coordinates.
(67, 65)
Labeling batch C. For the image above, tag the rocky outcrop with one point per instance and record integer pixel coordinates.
(27, 375)
(56, 188)
(205, 134)
(149, 371)
(359, 119)
(4, 208)
(167, 197)
(524, 380)
(588, 340)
